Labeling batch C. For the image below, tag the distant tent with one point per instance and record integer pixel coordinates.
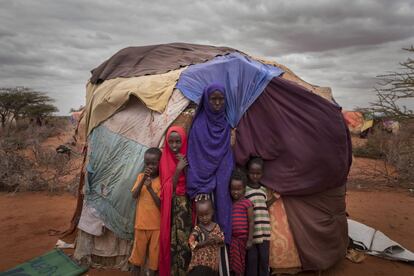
(133, 97)
(354, 120)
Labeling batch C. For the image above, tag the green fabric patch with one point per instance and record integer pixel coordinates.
(53, 263)
(114, 163)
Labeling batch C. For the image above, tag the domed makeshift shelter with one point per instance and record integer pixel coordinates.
(297, 128)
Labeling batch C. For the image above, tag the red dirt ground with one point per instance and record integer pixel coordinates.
(27, 217)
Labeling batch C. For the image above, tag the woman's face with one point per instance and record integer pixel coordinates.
(216, 100)
(174, 142)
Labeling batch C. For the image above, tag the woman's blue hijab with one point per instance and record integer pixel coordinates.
(210, 157)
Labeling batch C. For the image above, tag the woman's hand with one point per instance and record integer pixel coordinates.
(182, 162)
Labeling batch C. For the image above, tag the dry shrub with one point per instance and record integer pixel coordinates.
(396, 150)
(18, 173)
(56, 170)
(14, 171)
(27, 166)
(400, 153)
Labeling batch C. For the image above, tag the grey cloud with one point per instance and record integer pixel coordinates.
(52, 45)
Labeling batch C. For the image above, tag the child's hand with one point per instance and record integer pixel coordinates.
(148, 183)
(217, 240)
(182, 162)
(249, 244)
(147, 173)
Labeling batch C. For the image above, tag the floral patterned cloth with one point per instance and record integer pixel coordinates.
(180, 230)
(283, 252)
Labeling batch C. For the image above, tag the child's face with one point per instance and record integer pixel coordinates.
(152, 162)
(216, 100)
(237, 189)
(174, 142)
(255, 173)
(205, 213)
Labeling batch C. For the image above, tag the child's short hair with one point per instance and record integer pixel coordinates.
(238, 174)
(255, 160)
(155, 151)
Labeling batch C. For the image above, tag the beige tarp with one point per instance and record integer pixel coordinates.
(105, 99)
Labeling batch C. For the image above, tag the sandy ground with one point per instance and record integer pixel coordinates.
(27, 217)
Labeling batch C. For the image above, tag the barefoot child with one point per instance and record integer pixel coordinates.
(242, 223)
(147, 219)
(205, 241)
(257, 262)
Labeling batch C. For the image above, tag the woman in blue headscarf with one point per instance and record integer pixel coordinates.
(210, 155)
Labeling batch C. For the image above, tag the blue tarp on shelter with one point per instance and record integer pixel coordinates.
(243, 78)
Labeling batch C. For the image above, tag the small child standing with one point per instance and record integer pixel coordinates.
(242, 226)
(205, 241)
(147, 219)
(257, 262)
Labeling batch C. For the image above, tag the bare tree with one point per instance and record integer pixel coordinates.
(395, 87)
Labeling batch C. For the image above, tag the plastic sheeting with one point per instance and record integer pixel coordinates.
(244, 80)
(114, 163)
(374, 242)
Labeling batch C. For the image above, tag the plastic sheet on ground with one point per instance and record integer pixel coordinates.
(376, 243)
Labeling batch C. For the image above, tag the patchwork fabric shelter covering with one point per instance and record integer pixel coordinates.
(243, 79)
(288, 126)
(297, 128)
(354, 120)
(154, 59)
(116, 154)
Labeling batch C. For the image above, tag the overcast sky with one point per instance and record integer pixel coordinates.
(52, 45)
